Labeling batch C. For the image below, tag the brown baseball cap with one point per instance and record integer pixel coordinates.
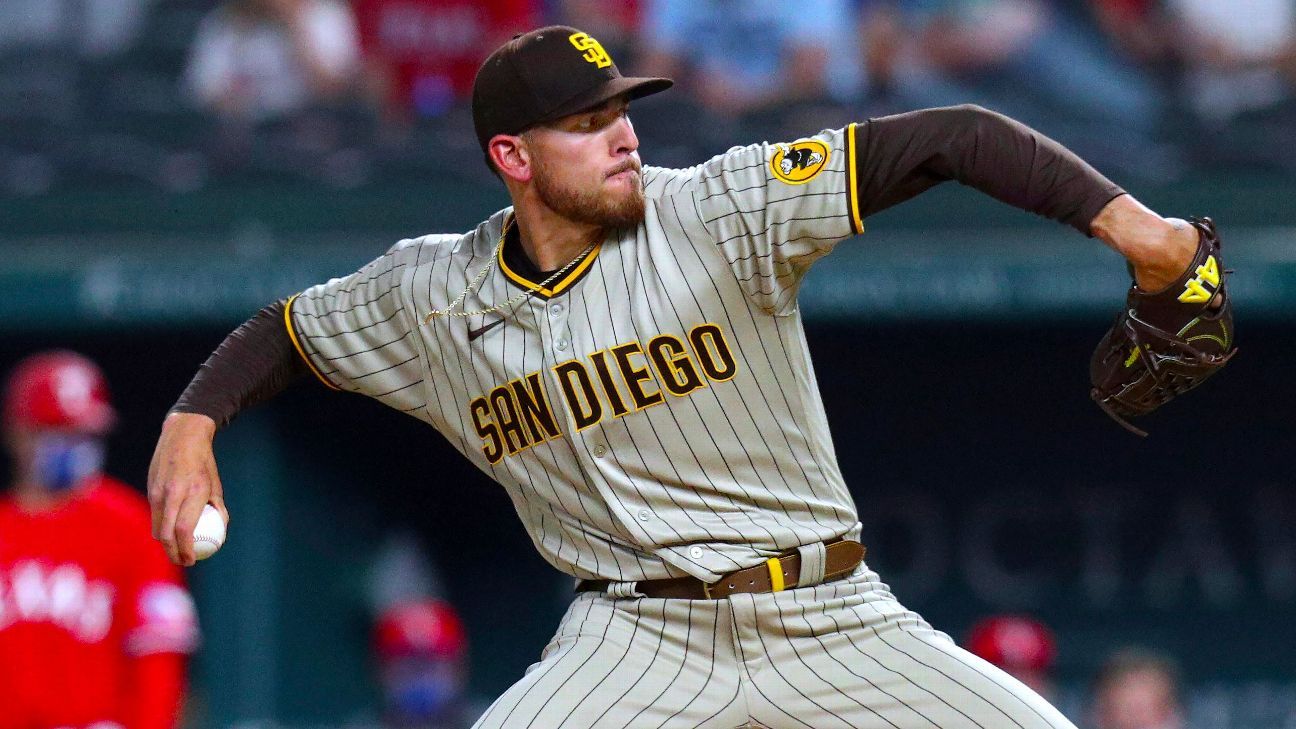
(544, 75)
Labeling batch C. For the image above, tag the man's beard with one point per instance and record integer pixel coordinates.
(594, 208)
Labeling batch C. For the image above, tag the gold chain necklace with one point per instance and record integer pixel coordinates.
(516, 298)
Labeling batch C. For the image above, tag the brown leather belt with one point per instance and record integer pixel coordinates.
(841, 557)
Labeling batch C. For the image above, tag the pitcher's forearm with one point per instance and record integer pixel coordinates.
(254, 363)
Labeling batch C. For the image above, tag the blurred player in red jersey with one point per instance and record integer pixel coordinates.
(95, 623)
(422, 55)
(422, 653)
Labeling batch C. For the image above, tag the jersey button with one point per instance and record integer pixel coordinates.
(561, 345)
(555, 309)
(644, 515)
(599, 450)
(695, 552)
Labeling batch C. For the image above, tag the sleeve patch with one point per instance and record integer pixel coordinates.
(799, 162)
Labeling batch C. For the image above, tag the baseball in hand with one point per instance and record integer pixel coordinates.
(209, 535)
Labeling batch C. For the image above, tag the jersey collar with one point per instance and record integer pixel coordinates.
(520, 272)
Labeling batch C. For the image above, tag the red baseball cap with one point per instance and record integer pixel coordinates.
(1013, 642)
(58, 389)
(422, 628)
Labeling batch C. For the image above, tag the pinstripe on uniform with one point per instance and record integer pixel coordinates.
(843, 654)
(710, 451)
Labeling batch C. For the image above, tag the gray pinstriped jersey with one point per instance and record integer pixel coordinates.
(652, 413)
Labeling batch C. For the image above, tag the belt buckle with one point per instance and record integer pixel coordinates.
(706, 589)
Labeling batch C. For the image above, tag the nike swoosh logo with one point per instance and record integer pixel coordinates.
(474, 333)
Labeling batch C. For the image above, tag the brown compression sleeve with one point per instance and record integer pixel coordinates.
(254, 363)
(898, 157)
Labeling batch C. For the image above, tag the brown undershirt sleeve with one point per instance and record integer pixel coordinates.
(254, 363)
(898, 157)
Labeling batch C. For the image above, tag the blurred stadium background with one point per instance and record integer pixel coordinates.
(169, 166)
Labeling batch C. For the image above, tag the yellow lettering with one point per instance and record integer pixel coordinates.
(609, 386)
(635, 376)
(593, 50)
(713, 352)
(675, 368)
(578, 391)
(1209, 271)
(1194, 293)
(501, 402)
(534, 406)
(493, 448)
(518, 414)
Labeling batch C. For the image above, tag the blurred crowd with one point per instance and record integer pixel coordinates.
(182, 93)
(1134, 688)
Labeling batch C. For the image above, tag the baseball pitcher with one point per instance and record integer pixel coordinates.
(622, 351)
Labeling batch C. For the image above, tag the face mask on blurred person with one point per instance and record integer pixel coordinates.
(63, 461)
(419, 694)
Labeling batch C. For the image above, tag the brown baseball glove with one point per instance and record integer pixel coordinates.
(1166, 343)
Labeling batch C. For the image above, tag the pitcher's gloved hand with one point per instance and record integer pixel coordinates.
(1166, 343)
